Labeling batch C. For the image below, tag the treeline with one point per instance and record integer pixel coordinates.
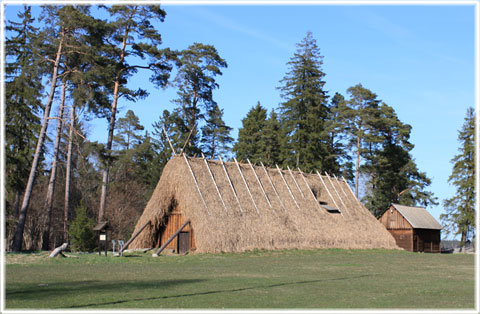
(81, 60)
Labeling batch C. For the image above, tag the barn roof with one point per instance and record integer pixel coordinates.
(418, 217)
(240, 206)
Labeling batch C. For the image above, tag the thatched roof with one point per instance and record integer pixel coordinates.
(279, 209)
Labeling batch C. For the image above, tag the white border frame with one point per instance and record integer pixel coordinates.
(474, 3)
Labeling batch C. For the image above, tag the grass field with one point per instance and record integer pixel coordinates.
(289, 279)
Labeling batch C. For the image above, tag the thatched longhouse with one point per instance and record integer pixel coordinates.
(235, 207)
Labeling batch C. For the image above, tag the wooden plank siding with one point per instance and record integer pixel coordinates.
(392, 219)
(407, 237)
(404, 238)
(174, 221)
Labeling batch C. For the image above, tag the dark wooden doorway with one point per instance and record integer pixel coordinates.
(183, 242)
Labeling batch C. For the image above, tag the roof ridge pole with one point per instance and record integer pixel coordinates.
(335, 189)
(321, 179)
(259, 183)
(273, 186)
(245, 181)
(311, 192)
(196, 184)
(231, 185)
(296, 183)
(215, 183)
(288, 188)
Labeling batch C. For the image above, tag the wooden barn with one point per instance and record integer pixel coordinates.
(413, 228)
(232, 207)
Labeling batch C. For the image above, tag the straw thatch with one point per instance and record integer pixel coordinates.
(293, 219)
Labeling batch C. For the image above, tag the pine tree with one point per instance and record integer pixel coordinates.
(356, 117)
(460, 209)
(128, 131)
(133, 38)
(63, 24)
(250, 144)
(216, 139)
(195, 80)
(393, 176)
(305, 108)
(48, 205)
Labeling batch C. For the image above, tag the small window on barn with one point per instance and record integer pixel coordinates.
(332, 210)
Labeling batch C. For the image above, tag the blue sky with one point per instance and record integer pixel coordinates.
(419, 59)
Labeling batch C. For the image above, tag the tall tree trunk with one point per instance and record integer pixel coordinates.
(111, 127)
(53, 173)
(17, 241)
(357, 165)
(16, 204)
(68, 179)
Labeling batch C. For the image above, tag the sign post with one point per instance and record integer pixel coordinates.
(102, 229)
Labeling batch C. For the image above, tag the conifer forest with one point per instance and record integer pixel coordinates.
(71, 64)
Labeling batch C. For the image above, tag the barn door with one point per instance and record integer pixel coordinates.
(183, 242)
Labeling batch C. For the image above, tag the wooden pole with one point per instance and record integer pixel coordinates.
(343, 191)
(124, 247)
(214, 183)
(273, 186)
(188, 138)
(245, 181)
(341, 187)
(359, 203)
(336, 192)
(170, 239)
(231, 184)
(326, 188)
(288, 188)
(196, 184)
(311, 192)
(259, 183)
(170, 143)
(296, 183)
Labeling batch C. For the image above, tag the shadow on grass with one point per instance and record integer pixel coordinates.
(41, 291)
(215, 291)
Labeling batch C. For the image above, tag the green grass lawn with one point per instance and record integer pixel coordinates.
(289, 279)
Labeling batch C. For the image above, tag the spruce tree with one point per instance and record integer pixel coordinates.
(272, 139)
(250, 144)
(216, 139)
(305, 109)
(339, 161)
(23, 93)
(460, 209)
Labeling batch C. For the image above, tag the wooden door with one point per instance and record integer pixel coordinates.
(183, 242)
